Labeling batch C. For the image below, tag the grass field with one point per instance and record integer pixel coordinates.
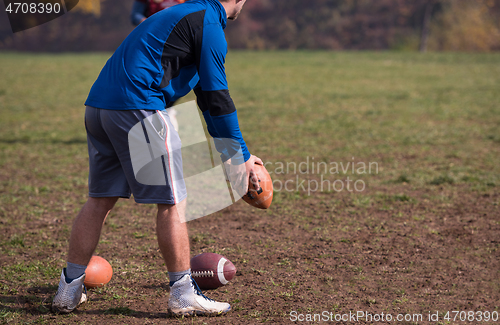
(419, 232)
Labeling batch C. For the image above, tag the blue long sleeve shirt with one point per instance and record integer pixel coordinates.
(169, 54)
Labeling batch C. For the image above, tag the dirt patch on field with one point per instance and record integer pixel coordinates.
(332, 254)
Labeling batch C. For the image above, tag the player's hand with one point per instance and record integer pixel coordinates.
(250, 167)
(240, 175)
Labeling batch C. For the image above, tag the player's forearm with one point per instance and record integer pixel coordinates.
(226, 130)
(222, 123)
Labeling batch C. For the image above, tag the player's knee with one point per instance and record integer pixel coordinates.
(106, 203)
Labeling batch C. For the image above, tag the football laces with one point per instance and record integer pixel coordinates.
(203, 274)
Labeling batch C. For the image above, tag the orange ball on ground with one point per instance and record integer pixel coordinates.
(98, 273)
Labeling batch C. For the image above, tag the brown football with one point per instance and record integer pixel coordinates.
(260, 195)
(211, 271)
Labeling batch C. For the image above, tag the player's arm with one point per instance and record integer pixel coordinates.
(138, 14)
(217, 105)
(213, 96)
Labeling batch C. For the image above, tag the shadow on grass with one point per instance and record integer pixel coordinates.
(10, 312)
(28, 304)
(44, 308)
(125, 311)
(38, 302)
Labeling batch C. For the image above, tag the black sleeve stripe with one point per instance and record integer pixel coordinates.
(179, 48)
(218, 102)
(200, 99)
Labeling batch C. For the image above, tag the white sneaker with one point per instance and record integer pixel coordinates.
(69, 295)
(186, 299)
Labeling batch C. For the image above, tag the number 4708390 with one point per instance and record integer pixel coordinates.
(33, 8)
(470, 316)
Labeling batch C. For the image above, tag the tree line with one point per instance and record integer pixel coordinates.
(436, 25)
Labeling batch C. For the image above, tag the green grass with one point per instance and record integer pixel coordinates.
(421, 116)
(431, 122)
(417, 115)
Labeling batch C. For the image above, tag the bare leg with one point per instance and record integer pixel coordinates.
(184, 298)
(173, 236)
(87, 229)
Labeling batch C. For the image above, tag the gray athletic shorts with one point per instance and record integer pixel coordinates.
(134, 152)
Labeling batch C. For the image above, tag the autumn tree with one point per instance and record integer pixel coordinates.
(90, 7)
(467, 25)
(458, 25)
